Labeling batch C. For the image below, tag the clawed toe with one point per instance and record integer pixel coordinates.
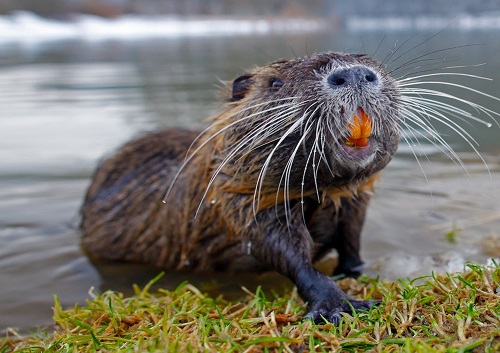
(360, 305)
(322, 316)
(326, 312)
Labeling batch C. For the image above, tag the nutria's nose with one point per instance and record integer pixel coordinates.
(352, 76)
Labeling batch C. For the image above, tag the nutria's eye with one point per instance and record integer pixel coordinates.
(275, 84)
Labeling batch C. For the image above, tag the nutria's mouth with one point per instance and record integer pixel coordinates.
(360, 143)
(360, 130)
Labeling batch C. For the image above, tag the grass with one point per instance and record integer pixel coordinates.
(445, 313)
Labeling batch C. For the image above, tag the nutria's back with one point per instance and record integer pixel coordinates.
(123, 217)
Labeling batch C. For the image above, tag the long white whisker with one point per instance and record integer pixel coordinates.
(309, 118)
(415, 118)
(208, 140)
(487, 111)
(263, 171)
(287, 172)
(435, 139)
(426, 92)
(415, 79)
(459, 113)
(428, 110)
(421, 169)
(432, 132)
(230, 156)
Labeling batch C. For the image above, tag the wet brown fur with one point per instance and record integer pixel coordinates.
(220, 226)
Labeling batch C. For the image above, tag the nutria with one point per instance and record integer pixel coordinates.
(282, 175)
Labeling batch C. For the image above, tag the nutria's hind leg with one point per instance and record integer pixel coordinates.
(287, 249)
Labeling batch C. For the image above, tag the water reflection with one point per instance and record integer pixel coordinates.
(65, 104)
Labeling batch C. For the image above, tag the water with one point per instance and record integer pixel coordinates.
(67, 101)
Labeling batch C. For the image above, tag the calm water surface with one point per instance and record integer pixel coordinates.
(65, 104)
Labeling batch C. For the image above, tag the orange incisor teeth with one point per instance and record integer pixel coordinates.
(360, 130)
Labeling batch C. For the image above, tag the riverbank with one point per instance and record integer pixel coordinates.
(446, 313)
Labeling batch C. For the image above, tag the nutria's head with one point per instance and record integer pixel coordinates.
(320, 122)
(302, 127)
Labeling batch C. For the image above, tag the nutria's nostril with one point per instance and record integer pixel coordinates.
(338, 79)
(352, 76)
(371, 77)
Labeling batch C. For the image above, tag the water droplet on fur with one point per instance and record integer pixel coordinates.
(302, 202)
(249, 248)
(163, 201)
(489, 124)
(186, 263)
(213, 201)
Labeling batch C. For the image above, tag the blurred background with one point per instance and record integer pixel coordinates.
(78, 78)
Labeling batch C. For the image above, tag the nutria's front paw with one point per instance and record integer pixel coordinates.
(331, 311)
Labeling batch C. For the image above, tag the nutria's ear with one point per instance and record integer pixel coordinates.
(241, 86)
